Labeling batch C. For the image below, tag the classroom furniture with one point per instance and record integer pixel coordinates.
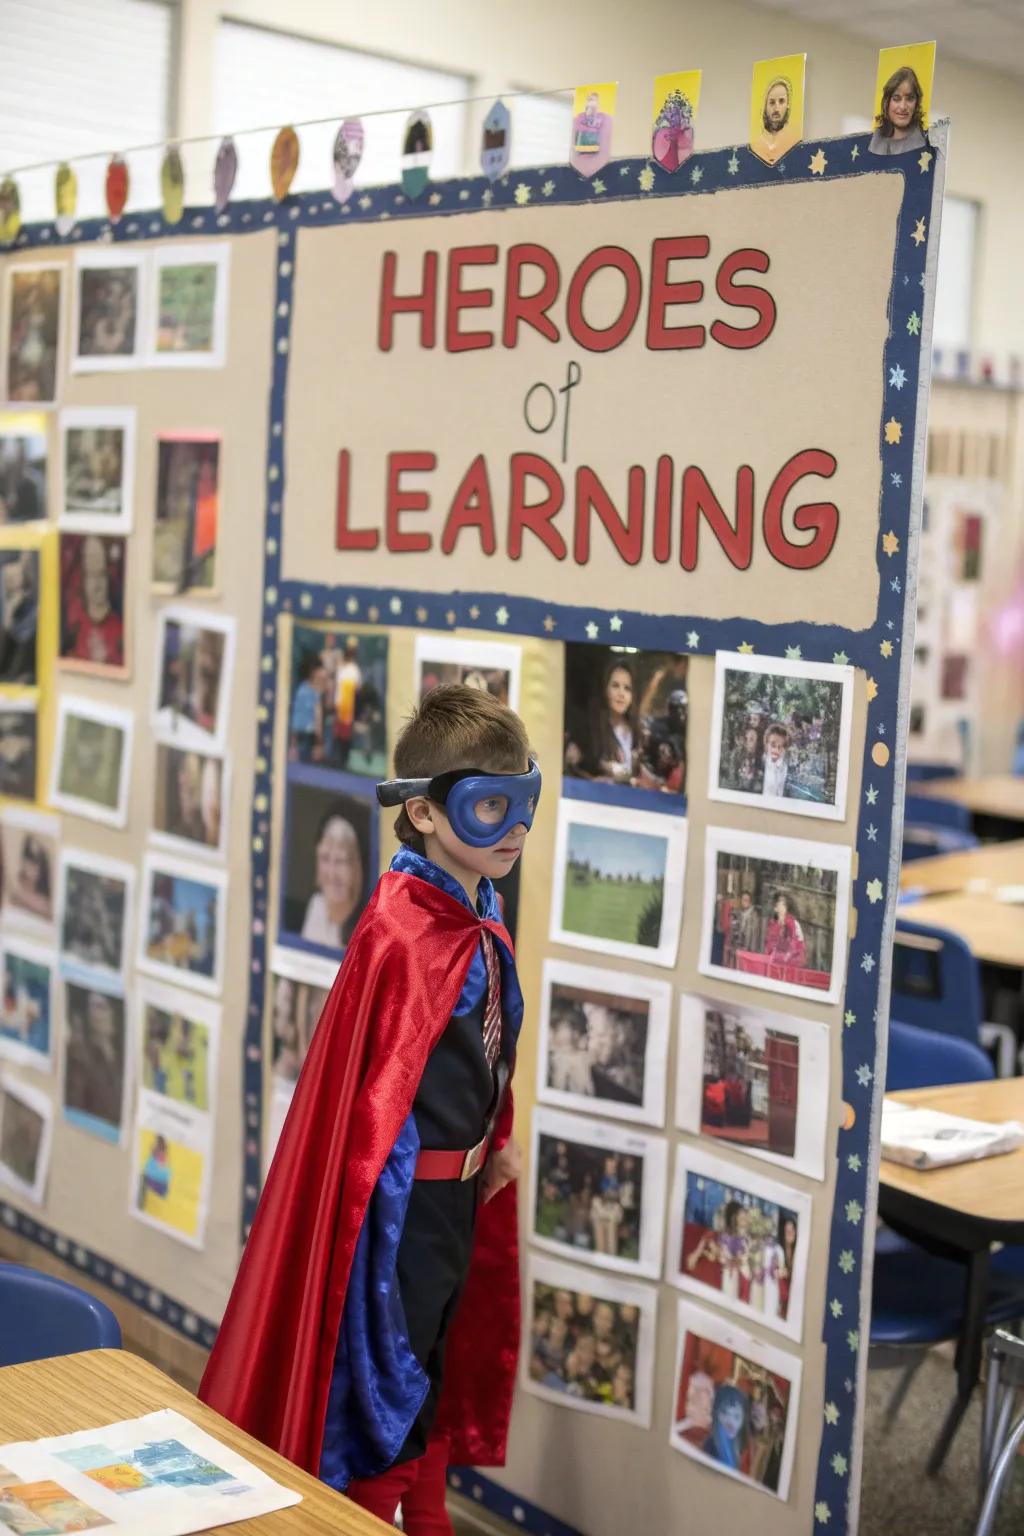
(984, 870)
(920, 772)
(84, 1391)
(922, 1058)
(993, 929)
(1000, 1437)
(42, 1316)
(958, 1213)
(935, 981)
(995, 803)
(936, 811)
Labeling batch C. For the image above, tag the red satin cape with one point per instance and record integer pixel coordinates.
(270, 1369)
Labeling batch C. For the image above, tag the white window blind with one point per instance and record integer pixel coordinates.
(541, 129)
(954, 286)
(78, 78)
(263, 77)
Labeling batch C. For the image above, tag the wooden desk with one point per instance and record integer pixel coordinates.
(1000, 796)
(993, 929)
(103, 1386)
(995, 865)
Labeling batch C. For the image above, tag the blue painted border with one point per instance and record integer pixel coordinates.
(876, 648)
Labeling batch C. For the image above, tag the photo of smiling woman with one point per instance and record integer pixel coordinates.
(329, 864)
(899, 126)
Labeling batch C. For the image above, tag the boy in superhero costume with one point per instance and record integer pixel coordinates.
(372, 1332)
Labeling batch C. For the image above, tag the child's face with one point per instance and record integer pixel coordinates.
(776, 748)
(462, 859)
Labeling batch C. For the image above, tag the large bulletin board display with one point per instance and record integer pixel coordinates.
(511, 427)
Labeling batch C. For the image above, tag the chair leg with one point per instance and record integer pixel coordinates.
(903, 1386)
(993, 1492)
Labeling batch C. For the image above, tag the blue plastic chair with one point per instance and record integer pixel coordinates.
(936, 983)
(41, 1316)
(1017, 766)
(929, 811)
(922, 772)
(922, 841)
(922, 1058)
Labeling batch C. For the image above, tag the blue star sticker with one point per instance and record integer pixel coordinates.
(896, 479)
(872, 832)
(733, 165)
(697, 174)
(895, 584)
(871, 794)
(897, 377)
(864, 1075)
(867, 963)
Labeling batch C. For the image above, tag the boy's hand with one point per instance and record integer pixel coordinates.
(501, 1168)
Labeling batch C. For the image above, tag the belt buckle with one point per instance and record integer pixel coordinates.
(473, 1160)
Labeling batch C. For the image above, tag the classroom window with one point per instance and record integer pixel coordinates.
(954, 289)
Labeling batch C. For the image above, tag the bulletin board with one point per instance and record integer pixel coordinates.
(536, 429)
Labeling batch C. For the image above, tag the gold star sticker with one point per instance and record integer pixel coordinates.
(373, 614)
(746, 649)
(918, 234)
(817, 163)
(421, 614)
(886, 648)
(872, 689)
(890, 542)
(893, 430)
(474, 612)
(450, 616)
(549, 623)
(924, 160)
(873, 891)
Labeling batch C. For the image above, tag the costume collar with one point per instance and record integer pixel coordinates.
(408, 862)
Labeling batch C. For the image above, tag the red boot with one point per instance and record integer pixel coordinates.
(382, 1495)
(423, 1506)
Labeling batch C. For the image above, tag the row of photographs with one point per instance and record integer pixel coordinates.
(590, 1346)
(165, 308)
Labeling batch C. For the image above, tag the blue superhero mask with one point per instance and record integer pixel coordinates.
(481, 807)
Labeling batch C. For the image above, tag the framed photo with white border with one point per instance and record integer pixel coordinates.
(12, 273)
(121, 331)
(116, 517)
(28, 1020)
(183, 716)
(174, 943)
(161, 323)
(113, 809)
(100, 939)
(31, 1105)
(469, 661)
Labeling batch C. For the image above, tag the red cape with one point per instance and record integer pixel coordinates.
(270, 1369)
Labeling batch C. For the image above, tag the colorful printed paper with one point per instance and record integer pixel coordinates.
(172, 185)
(496, 141)
(225, 171)
(284, 162)
(593, 115)
(65, 197)
(676, 99)
(346, 157)
(10, 210)
(417, 153)
(116, 187)
(777, 106)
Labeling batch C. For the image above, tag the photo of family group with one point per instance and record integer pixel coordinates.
(181, 923)
(195, 652)
(33, 311)
(95, 1055)
(780, 734)
(108, 298)
(28, 871)
(94, 910)
(590, 1341)
(338, 700)
(26, 1004)
(487, 665)
(739, 1240)
(603, 1042)
(736, 1401)
(187, 511)
(598, 1192)
(179, 1045)
(329, 864)
(618, 881)
(625, 720)
(23, 467)
(92, 760)
(18, 750)
(98, 460)
(763, 1086)
(776, 913)
(26, 1124)
(93, 583)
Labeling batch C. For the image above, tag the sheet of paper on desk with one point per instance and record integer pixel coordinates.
(154, 1476)
(927, 1138)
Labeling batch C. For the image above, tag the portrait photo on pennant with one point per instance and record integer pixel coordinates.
(780, 734)
(489, 665)
(190, 799)
(97, 470)
(96, 1046)
(625, 721)
(329, 860)
(33, 314)
(736, 1401)
(93, 587)
(618, 881)
(107, 324)
(588, 1340)
(775, 913)
(182, 915)
(29, 843)
(19, 617)
(24, 468)
(739, 1239)
(187, 521)
(194, 661)
(338, 700)
(27, 1002)
(26, 1128)
(92, 759)
(96, 897)
(603, 1042)
(18, 750)
(180, 1035)
(598, 1192)
(758, 1081)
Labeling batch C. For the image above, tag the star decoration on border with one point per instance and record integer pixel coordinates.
(474, 613)
(836, 1308)
(847, 1262)
(523, 193)
(421, 614)
(871, 688)
(547, 188)
(864, 1075)
(502, 615)
(896, 479)
(549, 623)
(840, 659)
(853, 1339)
(873, 891)
(839, 1464)
(697, 174)
(793, 653)
(646, 179)
(849, 1018)
(692, 640)
(591, 630)
(597, 186)
(924, 160)
(886, 648)
(615, 623)
(817, 163)
(918, 232)
(854, 1212)
(745, 648)
(867, 963)
(733, 164)
(897, 376)
(822, 1513)
(831, 1413)
(893, 431)
(872, 832)
(914, 323)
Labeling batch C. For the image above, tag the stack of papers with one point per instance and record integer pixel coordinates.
(927, 1138)
(154, 1476)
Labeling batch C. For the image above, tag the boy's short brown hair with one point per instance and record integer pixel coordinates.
(457, 727)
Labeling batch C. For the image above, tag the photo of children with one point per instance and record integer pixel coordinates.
(339, 683)
(26, 1122)
(95, 900)
(739, 1240)
(625, 720)
(181, 930)
(179, 1041)
(108, 310)
(603, 1042)
(95, 1052)
(330, 861)
(93, 578)
(98, 467)
(33, 301)
(193, 682)
(190, 299)
(189, 799)
(618, 881)
(26, 1005)
(187, 511)
(590, 1341)
(28, 870)
(170, 1179)
(597, 1192)
(91, 760)
(18, 763)
(488, 665)
(780, 734)
(736, 1401)
(775, 913)
(23, 468)
(19, 616)
(296, 1007)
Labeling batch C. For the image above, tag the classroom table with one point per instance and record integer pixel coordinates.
(994, 929)
(103, 1386)
(961, 1211)
(996, 803)
(981, 871)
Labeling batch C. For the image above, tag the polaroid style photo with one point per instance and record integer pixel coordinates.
(108, 310)
(19, 762)
(95, 1055)
(188, 324)
(93, 604)
(188, 498)
(182, 919)
(29, 844)
(97, 469)
(625, 724)
(618, 881)
(190, 801)
(32, 329)
(603, 1045)
(171, 1167)
(19, 617)
(736, 1401)
(780, 734)
(92, 760)
(194, 667)
(26, 1128)
(299, 987)
(756, 1081)
(95, 901)
(589, 1340)
(27, 1001)
(337, 701)
(776, 913)
(179, 1036)
(597, 1192)
(24, 468)
(740, 1240)
(329, 860)
(490, 666)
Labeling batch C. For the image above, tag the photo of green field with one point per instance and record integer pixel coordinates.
(614, 885)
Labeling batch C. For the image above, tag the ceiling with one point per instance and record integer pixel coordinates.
(988, 32)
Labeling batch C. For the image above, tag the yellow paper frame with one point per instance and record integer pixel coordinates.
(921, 59)
(792, 68)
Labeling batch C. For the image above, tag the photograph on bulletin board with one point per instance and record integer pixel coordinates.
(97, 469)
(489, 665)
(107, 315)
(625, 725)
(189, 323)
(190, 800)
(329, 859)
(27, 1003)
(180, 1035)
(93, 601)
(26, 1129)
(19, 617)
(95, 1053)
(338, 700)
(182, 917)
(92, 760)
(188, 494)
(171, 1168)
(194, 668)
(24, 467)
(32, 327)
(95, 899)
(19, 765)
(28, 871)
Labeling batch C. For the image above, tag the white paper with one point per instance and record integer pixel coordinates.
(86, 936)
(96, 418)
(928, 1138)
(28, 1018)
(26, 1129)
(477, 655)
(121, 720)
(192, 254)
(773, 1046)
(174, 936)
(579, 1002)
(18, 827)
(638, 848)
(90, 259)
(181, 1479)
(183, 727)
(604, 1212)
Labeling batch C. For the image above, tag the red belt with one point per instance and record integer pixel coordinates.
(452, 1165)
